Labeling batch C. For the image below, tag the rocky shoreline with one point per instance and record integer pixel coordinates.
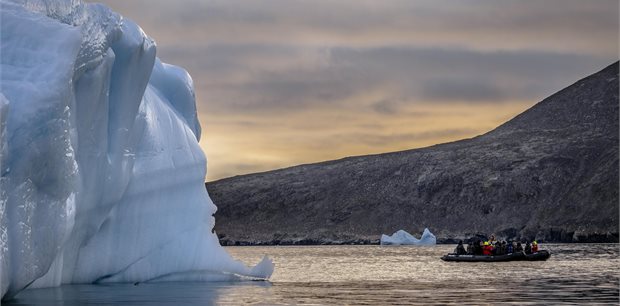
(563, 238)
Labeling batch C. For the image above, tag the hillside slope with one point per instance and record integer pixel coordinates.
(550, 173)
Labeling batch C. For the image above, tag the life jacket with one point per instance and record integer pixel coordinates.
(487, 250)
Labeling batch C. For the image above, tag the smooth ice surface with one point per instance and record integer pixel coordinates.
(402, 237)
(102, 178)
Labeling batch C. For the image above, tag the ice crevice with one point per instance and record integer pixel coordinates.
(101, 175)
(115, 274)
(146, 255)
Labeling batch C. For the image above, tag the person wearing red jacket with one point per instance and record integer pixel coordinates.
(487, 249)
(534, 246)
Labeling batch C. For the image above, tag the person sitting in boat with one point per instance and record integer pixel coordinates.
(487, 249)
(470, 248)
(510, 247)
(528, 248)
(491, 240)
(478, 248)
(519, 247)
(497, 249)
(534, 246)
(460, 249)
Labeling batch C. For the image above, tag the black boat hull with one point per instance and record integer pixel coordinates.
(540, 255)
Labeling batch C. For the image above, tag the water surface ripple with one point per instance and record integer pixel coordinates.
(377, 275)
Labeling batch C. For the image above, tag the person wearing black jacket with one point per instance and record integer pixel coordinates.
(460, 249)
(519, 247)
(528, 248)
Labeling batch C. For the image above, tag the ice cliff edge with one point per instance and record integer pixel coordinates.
(101, 175)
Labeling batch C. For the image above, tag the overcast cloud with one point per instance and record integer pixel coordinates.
(283, 82)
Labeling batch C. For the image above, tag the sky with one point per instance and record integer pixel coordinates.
(286, 82)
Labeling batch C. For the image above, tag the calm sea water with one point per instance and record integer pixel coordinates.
(376, 275)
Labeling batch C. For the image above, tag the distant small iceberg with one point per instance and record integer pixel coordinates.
(404, 238)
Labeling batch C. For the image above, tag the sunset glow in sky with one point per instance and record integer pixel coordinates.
(283, 82)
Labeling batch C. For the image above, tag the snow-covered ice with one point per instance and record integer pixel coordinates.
(101, 175)
(402, 237)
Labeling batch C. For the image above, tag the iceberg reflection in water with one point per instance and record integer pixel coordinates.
(336, 275)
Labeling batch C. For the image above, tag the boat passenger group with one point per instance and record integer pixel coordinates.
(491, 247)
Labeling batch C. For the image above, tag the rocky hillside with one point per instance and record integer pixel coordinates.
(550, 173)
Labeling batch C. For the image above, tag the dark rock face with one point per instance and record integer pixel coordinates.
(551, 173)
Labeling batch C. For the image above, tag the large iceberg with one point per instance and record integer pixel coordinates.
(402, 237)
(101, 175)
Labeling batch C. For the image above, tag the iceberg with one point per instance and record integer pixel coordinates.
(401, 237)
(101, 175)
